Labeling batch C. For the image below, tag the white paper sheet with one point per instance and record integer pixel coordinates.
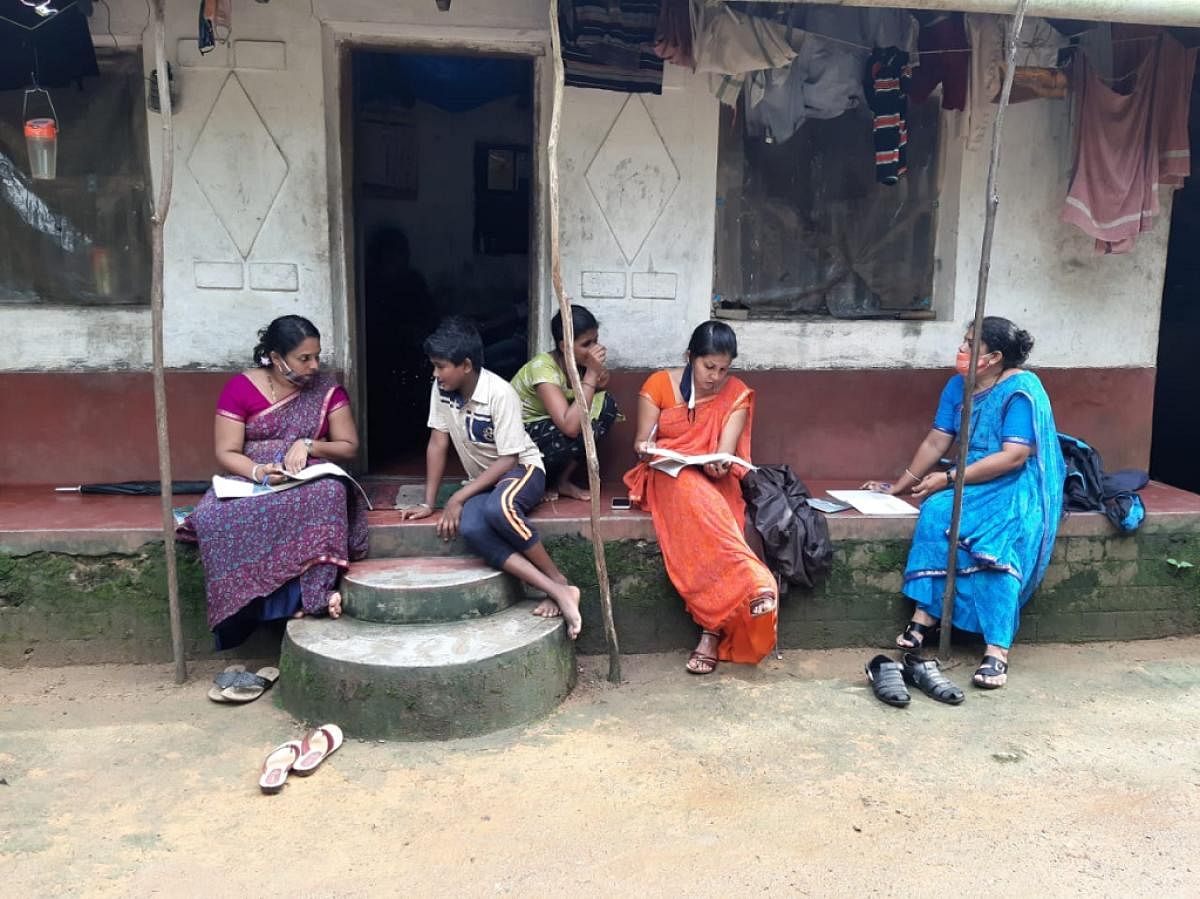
(871, 503)
(236, 488)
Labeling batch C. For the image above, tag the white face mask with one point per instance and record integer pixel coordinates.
(296, 380)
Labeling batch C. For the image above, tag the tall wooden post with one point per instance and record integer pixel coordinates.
(564, 307)
(162, 204)
(985, 265)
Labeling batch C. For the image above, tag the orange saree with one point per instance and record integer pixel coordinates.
(700, 522)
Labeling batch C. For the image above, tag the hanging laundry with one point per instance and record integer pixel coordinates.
(733, 43)
(944, 59)
(1131, 45)
(1039, 46)
(825, 79)
(216, 22)
(673, 34)
(609, 45)
(889, 77)
(1129, 144)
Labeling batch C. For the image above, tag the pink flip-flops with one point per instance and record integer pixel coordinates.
(317, 745)
(278, 763)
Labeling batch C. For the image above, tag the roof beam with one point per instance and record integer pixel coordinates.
(1149, 12)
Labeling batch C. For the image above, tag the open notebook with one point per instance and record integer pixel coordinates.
(236, 488)
(670, 462)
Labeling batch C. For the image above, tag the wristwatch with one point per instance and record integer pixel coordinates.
(308, 445)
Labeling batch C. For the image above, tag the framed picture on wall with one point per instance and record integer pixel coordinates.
(502, 196)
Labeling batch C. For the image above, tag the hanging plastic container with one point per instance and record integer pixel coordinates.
(41, 139)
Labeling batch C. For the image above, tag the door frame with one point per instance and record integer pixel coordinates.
(339, 41)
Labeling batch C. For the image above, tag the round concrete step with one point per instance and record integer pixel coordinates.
(426, 681)
(409, 591)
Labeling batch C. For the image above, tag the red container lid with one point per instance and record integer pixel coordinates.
(46, 129)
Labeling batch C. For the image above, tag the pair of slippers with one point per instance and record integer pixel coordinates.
(236, 684)
(300, 757)
(890, 680)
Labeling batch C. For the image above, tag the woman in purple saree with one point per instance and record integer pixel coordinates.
(279, 555)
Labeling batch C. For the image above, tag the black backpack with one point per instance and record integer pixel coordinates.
(795, 536)
(1088, 489)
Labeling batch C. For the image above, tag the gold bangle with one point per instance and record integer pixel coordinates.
(911, 475)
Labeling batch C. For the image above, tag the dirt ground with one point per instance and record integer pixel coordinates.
(1080, 778)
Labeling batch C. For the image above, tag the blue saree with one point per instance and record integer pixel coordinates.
(1008, 524)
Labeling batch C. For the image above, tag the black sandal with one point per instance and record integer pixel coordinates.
(918, 634)
(926, 675)
(991, 666)
(887, 681)
(698, 656)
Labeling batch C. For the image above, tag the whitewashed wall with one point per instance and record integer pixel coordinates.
(248, 236)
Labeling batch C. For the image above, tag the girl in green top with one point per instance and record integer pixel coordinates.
(552, 414)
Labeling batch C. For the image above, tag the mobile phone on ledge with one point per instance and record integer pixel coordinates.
(621, 503)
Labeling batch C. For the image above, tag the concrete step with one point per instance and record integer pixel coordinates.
(426, 681)
(411, 591)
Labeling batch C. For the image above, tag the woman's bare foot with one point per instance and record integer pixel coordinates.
(335, 605)
(567, 599)
(571, 491)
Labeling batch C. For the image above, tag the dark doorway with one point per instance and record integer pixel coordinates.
(1177, 388)
(442, 168)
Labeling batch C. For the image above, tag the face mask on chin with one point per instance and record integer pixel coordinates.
(296, 380)
(962, 363)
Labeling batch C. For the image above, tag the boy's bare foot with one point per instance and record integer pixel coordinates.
(571, 491)
(547, 608)
(568, 603)
(335, 605)
(549, 496)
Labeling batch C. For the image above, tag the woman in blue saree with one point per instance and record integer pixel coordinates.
(1012, 501)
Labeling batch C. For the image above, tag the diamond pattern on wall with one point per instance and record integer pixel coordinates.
(632, 177)
(237, 164)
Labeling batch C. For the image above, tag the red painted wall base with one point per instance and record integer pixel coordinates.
(67, 428)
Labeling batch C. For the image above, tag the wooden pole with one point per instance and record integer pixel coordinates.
(158, 221)
(564, 308)
(985, 265)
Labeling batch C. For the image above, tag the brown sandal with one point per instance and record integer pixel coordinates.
(698, 656)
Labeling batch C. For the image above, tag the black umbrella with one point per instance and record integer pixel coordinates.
(137, 488)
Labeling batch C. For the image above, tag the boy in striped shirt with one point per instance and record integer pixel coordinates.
(480, 414)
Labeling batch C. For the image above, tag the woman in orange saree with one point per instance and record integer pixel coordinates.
(699, 516)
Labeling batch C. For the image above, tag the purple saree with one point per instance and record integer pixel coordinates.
(251, 547)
